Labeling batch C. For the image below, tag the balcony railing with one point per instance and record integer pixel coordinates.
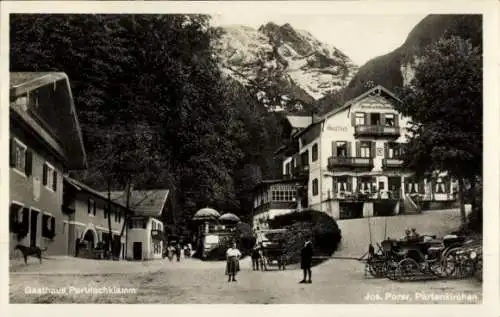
(392, 162)
(300, 171)
(361, 196)
(341, 161)
(377, 130)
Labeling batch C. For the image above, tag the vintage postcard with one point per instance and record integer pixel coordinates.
(252, 153)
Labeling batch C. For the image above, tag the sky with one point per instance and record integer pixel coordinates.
(361, 37)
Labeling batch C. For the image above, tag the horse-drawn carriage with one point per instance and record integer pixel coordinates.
(272, 249)
(422, 257)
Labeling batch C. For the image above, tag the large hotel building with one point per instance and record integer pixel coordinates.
(347, 164)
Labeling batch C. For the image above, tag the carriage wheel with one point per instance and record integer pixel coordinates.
(391, 270)
(445, 267)
(377, 267)
(408, 268)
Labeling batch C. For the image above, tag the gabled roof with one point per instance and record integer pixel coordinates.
(143, 202)
(378, 89)
(65, 127)
(299, 122)
(83, 187)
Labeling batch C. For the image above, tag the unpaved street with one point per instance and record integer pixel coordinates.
(335, 281)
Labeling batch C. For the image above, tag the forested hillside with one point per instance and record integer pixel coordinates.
(154, 108)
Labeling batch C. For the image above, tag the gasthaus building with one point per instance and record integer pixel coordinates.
(347, 164)
(45, 142)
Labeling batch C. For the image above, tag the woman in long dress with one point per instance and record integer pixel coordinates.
(233, 256)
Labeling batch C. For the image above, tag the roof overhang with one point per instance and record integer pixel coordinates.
(22, 83)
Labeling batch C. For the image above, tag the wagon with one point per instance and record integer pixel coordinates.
(274, 254)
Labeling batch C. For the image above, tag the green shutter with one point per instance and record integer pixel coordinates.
(28, 162)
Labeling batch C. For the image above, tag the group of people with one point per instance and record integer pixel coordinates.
(177, 250)
(233, 256)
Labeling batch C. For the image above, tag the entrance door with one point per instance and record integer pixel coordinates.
(395, 186)
(137, 250)
(33, 227)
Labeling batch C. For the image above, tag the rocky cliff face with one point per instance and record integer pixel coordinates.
(395, 69)
(292, 61)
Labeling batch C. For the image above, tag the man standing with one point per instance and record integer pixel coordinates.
(255, 258)
(306, 261)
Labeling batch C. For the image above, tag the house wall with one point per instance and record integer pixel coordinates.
(80, 222)
(29, 192)
(144, 236)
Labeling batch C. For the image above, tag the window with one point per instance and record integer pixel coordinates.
(315, 188)
(365, 184)
(91, 207)
(283, 192)
(48, 226)
(341, 184)
(393, 150)
(49, 176)
(375, 118)
(304, 157)
(360, 118)
(365, 149)
(16, 217)
(341, 149)
(20, 157)
(389, 120)
(315, 152)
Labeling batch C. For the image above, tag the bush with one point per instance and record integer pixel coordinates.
(244, 238)
(309, 224)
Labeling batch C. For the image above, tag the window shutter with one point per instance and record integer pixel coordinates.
(353, 119)
(358, 149)
(28, 162)
(334, 148)
(349, 153)
(373, 150)
(349, 183)
(44, 174)
(367, 119)
(396, 120)
(12, 154)
(382, 119)
(54, 181)
(53, 224)
(386, 150)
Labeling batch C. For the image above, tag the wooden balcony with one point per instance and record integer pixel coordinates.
(392, 163)
(341, 161)
(300, 171)
(377, 131)
(366, 196)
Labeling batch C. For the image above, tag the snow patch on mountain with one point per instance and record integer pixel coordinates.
(301, 61)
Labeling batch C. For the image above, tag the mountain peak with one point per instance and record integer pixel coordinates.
(308, 69)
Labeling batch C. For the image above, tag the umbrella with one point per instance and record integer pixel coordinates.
(229, 217)
(206, 214)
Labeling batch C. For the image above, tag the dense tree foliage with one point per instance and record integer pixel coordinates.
(444, 100)
(155, 110)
